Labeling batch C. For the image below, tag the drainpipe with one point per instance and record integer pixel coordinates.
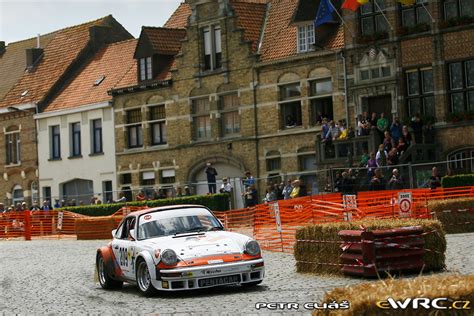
(255, 118)
(346, 96)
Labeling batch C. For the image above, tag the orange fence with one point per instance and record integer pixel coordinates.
(273, 225)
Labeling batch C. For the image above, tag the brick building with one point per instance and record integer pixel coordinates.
(32, 72)
(416, 59)
(217, 84)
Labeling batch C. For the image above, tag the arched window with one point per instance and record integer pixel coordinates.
(17, 194)
(462, 160)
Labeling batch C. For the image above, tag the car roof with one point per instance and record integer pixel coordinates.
(165, 208)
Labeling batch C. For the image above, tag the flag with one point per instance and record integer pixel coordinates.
(407, 2)
(324, 14)
(353, 5)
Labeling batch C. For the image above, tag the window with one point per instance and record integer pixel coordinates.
(462, 161)
(379, 72)
(420, 92)
(158, 125)
(202, 119)
(321, 100)
(47, 193)
(134, 128)
(17, 194)
(107, 191)
(273, 160)
(148, 178)
(371, 19)
(415, 14)
(307, 162)
(146, 72)
(458, 8)
(55, 136)
(290, 109)
(126, 178)
(75, 129)
(168, 176)
(12, 140)
(230, 115)
(212, 48)
(461, 86)
(306, 38)
(96, 136)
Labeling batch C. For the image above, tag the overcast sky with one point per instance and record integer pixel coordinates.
(22, 19)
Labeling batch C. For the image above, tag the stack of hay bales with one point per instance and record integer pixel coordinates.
(323, 252)
(457, 215)
(363, 297)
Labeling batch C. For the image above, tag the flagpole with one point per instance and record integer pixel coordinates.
(378, 7)
(342, 20)
(426, 9)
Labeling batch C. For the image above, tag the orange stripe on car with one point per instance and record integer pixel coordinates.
(204, 261)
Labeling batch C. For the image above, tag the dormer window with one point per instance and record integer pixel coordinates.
(146, 72)
(212, 47)
(305, 38)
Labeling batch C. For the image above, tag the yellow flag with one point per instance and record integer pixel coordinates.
(362, 2)
(407, 2)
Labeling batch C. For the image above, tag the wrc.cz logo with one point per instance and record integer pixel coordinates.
(424, 302)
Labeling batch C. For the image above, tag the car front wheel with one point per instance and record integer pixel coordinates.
(104, 279)
(144, 279)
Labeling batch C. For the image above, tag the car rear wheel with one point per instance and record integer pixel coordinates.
(144, 279)
(104, 278)
(250, 284)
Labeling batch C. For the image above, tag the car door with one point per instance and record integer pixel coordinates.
(123, 248)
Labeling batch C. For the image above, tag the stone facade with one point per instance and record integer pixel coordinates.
(20, 176)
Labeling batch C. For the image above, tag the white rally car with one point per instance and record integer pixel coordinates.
(177, 248)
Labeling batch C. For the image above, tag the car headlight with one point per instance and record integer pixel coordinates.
(252, 248)
(169, 257)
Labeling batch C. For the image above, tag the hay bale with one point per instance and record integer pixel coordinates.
(328, 253)
(99, 227)
(454, 221)
(363, 297)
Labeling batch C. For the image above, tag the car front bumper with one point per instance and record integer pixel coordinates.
(198, 277)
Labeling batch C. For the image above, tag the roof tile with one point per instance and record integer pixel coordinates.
(165, 41)
(113, 62)
(250, 17)
(179, 18)
(58, 55)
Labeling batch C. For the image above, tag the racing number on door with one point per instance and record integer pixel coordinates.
(123, 254)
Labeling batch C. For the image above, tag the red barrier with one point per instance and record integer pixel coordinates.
(273, 225)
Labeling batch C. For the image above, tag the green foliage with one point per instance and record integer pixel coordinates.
(454, 117)
(216, 202)
(460, 180)
(330, 252)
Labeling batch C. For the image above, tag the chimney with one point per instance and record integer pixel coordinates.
(2, 47)
(33, 56)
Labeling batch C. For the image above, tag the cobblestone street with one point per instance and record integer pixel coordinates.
(57, 277)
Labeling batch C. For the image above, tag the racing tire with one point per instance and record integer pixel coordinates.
(143, 279)
(106, 282)
(251, 284)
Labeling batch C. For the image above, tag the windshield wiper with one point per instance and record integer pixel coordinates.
(214, 229)
(197, 229)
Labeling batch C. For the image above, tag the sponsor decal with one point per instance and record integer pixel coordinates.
(215, 261)
(147, 217)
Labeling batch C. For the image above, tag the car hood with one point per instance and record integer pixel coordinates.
(199, 245)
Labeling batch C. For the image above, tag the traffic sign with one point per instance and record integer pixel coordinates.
(405, 203)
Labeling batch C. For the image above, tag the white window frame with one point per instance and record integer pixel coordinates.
(212, 42)
(14, 147)
(306, 38)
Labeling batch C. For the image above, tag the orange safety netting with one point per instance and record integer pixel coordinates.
(273, 224)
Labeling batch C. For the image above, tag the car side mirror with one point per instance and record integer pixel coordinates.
(132, 234)
(114, 232)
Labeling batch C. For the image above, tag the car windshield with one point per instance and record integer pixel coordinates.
(177, 221)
